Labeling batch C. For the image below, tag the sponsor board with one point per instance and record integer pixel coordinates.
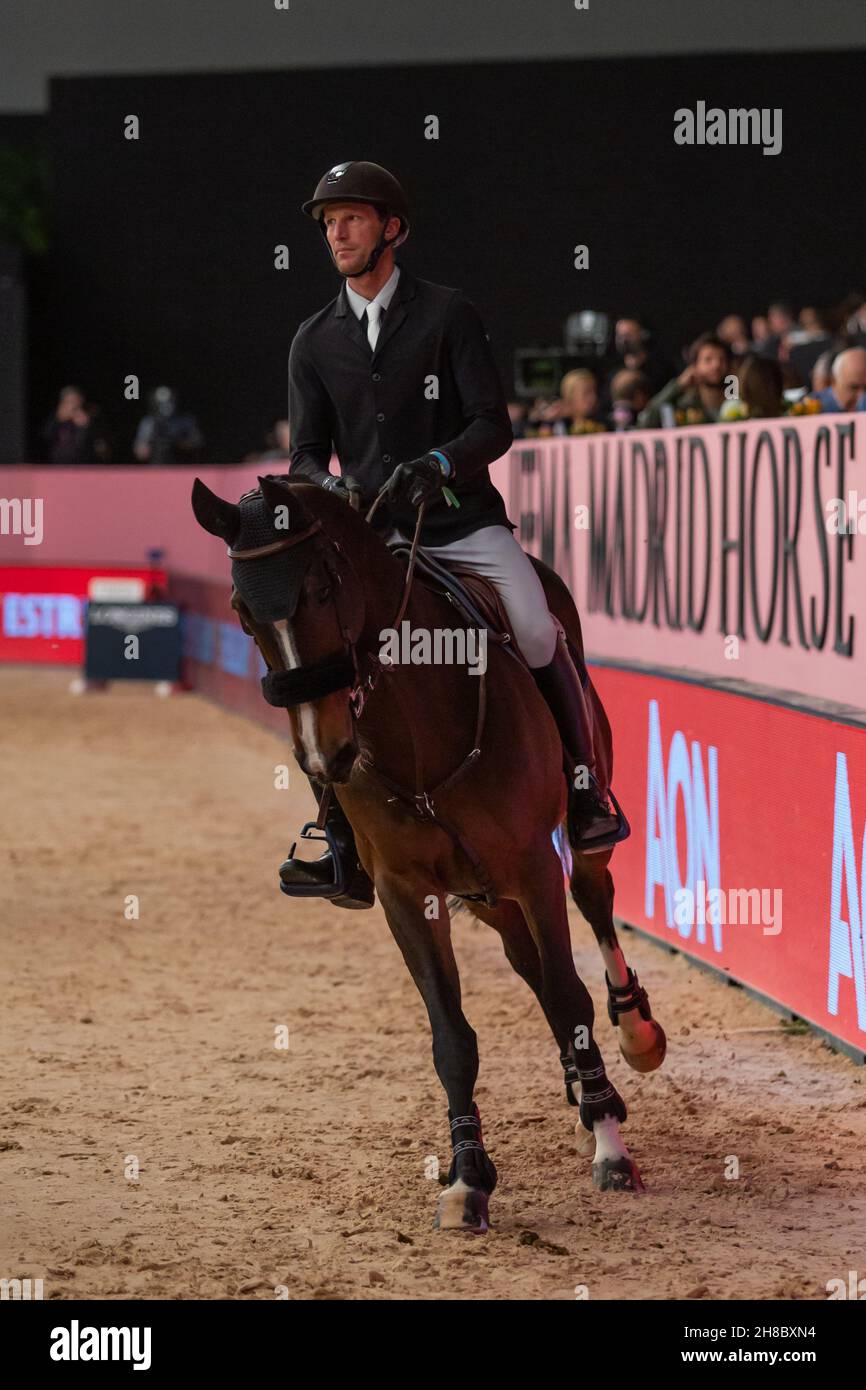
(748, 843)
(43, 608)
(721, 547)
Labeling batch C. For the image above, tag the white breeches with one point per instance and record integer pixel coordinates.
(493, 551)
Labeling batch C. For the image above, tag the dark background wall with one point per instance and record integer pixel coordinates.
(43, 39)
(163, 257)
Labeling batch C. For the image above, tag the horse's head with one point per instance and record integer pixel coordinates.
(296, 592)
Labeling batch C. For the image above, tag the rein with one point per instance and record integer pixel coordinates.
(260, 551)
(336, 672)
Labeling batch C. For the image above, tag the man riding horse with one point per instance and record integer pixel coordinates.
(397, 378)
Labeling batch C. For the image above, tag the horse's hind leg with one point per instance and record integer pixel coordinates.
(642, 1039)
(568, 1006)
(522, 954)
(425, 943)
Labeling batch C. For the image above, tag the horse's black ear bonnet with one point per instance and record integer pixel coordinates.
(270, 586)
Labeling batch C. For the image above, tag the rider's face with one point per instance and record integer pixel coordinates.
(353, 229)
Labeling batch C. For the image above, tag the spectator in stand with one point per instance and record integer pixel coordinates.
(696, 396)
(780, 321)
(855, 319)
(762, 384)
(279, 441)
(733, 331)
(517, 414)
(812, 323)
(805, 343)
(165, 436)
(546, 413)
(848, 389)
(760, 333)
(630, 394)
(578, 392)
(633, 346)
(74, 433)
(822, 372)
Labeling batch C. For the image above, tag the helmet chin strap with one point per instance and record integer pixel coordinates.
(373, 261)
(381, 245)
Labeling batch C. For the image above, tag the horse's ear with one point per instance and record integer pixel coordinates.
(277, 492)
(220, 518)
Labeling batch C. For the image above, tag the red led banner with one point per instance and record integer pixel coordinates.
(42, 608)
(747, 844)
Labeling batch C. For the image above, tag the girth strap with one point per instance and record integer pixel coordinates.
(421, 801)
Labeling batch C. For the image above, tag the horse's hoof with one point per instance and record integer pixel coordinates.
(617, 1175)
(653, 1056)
(585, 1140)
(463, 1208)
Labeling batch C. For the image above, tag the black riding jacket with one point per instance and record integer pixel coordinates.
(430, 384)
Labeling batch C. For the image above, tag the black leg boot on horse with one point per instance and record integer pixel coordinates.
(595, 820)
(337, 874)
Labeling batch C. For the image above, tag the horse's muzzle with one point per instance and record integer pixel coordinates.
(335, 769)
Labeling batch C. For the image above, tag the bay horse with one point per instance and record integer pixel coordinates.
(454, 786)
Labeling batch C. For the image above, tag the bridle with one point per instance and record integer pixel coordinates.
(344, 671)
(340, 670)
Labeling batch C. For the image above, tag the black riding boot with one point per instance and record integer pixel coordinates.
(592, 823)
(339, 865)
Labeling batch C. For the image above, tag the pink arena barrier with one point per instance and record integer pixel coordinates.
(723, 610)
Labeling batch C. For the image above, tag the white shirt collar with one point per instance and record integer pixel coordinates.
(383, 298)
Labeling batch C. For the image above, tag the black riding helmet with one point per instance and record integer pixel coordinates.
(360, 181)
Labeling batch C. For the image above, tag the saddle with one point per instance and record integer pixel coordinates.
(477, 604)
(475, 600)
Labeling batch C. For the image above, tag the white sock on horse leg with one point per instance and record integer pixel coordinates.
(608, 1141)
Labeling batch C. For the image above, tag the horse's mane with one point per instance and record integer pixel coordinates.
(339, 520)
(363, 544)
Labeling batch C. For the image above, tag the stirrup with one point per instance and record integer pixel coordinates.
(337, 887)
(620, 831)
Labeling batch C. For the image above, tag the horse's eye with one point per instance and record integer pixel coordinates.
(324, 593)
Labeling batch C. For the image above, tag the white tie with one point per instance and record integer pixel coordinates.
(373, 311)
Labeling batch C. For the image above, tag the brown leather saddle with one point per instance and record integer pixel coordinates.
(476, 601)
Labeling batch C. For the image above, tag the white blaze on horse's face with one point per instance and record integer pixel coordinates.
(308, 722)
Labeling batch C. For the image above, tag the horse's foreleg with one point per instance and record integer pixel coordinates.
(420, 924)
(568, 1006)
(642, 1038)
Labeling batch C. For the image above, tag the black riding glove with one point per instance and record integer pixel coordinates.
(344, 486)
(417, 481)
